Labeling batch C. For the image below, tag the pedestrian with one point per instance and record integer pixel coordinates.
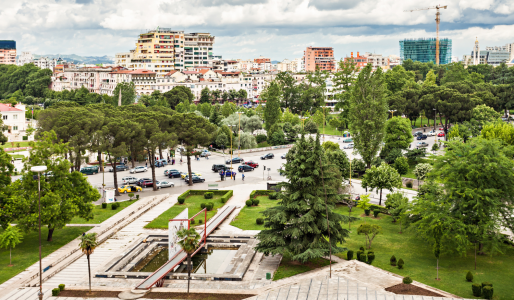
(172, 161)
(146, 164)
(243, 176)
(234, 175)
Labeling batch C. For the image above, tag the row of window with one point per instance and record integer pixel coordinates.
(15, 117)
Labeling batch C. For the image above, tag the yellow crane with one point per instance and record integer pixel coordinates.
(437, 21)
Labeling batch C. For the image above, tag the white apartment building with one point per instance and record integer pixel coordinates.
(14, 119)
(286, 66)
(47, 63)
(300, 64)
(75, 78)
(26, 57)
(198, 49)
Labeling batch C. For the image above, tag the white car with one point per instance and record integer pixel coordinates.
(205, 153)
(164, 184)
(139, 169)
(129, 180)
(431, 133)
(349, 146)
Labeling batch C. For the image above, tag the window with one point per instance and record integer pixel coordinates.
(15, 117)
(15, 128)
(4, 117)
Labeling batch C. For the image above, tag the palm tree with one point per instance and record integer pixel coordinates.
(87, 245)
(189, 242)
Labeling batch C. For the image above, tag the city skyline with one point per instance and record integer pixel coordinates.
(247, 29)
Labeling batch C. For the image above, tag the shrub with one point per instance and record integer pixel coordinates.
(209, 206)
(137, 197)
(202, 206)
(363, 257)
(409, 184)
(260, 221)
(273, 196)
(200, 221)
(361, 249)
(371, 257)
(114, 206)
(255, 202)
(349, 255)
(359, 255)
(104, 205)
(226, 196)
(181, 200)
(249, 203)
(407, 280)
(25, 138)
(392, 260)
(469, 276)
(131, 195)
(400, 263)
(61, 287)
(484, 284)
(260, 138)
(55, 292)
(183, 196)
(192, 221)
(208, 195)
(367, 211)
(477, 289)
(376, 212)
(487, 292)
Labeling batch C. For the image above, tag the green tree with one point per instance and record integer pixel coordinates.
(370, 231)
(421, 171)
(456, 73)
(499, 130)
(272, 112)
(191, 131)
(205, 96)
(247, 140)
(128, 92)
(205, 109)
(215, 117)
(382, 177)
(189, 240)
(290, 91)
(9, 239)
(252, 123)
(337, 124)
(7, 203)
(222, 140)
(368, 113)
(64, 195)
(297, 225)
(484, 114)
(342, 84)
(310, 127)
(88, 245)
(397, 205)
(396, 79)
(430, 79)
(401, 165)
(340, 159)
(178, 94)
(289, 117)
(228, 108)
(278, 138)
(330, 146)
(398, 134)
(318, 117)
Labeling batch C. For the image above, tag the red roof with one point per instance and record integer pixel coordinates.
(142, 71)
(204, 71)
(8, 107)
(171, 72)
(191, 72)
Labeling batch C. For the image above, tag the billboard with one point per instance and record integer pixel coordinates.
(109, 196)
(173, 228)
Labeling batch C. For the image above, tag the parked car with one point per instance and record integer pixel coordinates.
(348, 140)
(146, 183)
(349, 146)
(166, 172)
(244, 168)
(184, 174)
(164, 184)
(421, 137)
(268, 156)
(217, 168)
(163, 161)
(283, 156)
(235, 160)
(440, 134)
(251, 164)
(139, 169)
(140, 181)
(421, 144)
(418, 133)
(205, 153)
(89, 170)
(129, 189)
(195, 179)
(129, 180)
(441, 128)
(174, 174)
(119, 168)
(431, 133)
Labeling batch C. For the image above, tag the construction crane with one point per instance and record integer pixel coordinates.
(437, 21)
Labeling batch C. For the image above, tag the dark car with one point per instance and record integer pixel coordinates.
(217, 168)
(195, 179)
(422, 137)
(173, 174)
(119, 168)
(235, 160)
(146, 183)
(268, 156)
(418, 133)
(139, 182)
(244, 168)
(251, 164)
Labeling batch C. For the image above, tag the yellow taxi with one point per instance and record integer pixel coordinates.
(129, 189)
(184, 174)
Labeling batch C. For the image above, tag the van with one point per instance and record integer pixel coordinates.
(129, 180)
(89, 170)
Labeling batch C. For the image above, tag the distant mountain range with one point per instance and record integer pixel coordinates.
(80, 59)
(274, 62)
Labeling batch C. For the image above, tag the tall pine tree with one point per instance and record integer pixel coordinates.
(297, 226)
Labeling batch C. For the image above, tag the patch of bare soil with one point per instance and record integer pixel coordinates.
(85, 293)
(409, 289)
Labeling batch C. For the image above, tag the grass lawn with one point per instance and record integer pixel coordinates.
(27, 253)
(193, 203)
(329, 130)
(246, 218)
(101, 214)
(288, 268)
(420, 122)
(420, 262)
(14, 156)
(10, 145)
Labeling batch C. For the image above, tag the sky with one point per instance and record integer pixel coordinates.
(246, 29)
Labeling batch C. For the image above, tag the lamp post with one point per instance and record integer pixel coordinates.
(239, 135)
(323, 124)
(303, 119)
(392, 112)
(231, 150)
(38, 170)
(435, 135)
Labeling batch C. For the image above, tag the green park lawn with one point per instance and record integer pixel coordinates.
(420, 262)
(10, 145)
(288, 268)
(101, 214)
(26, 253)
(246, 219)
(193, 203)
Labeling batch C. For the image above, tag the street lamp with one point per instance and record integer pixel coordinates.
(39, 169)
(239, 135)
(392, 112)
(435, 135)
(303, 119)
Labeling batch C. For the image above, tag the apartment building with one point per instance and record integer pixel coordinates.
(198, 50)
(262, 64)
(376, 60)
(75, 78)
(13, 117)
(7, 52)
(286, 66)
(48, 63)
(26, 57)
(360, 60)
(319, 57)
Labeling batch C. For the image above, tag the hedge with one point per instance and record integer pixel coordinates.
(256, 193)
(225, 195)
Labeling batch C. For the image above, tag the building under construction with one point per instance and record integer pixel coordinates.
(424, 50)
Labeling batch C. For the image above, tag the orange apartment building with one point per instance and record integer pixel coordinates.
(7, 52)
(361, 61)
(319, 57)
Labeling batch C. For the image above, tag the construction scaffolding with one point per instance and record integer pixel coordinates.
(424, 50)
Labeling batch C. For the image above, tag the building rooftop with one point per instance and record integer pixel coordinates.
(8, 107)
